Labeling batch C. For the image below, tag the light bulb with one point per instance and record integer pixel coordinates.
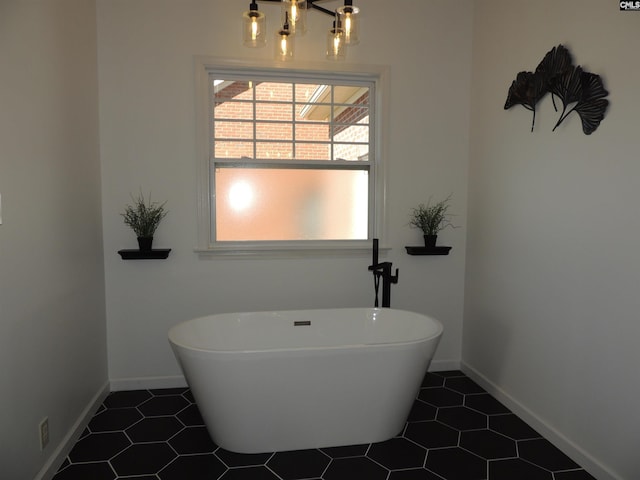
(284, 46)
(348, 15)
(348, 26)
(284, 41)
(296, 13)
(336, 48)
(253, 27)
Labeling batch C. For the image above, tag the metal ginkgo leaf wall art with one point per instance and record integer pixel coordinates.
(578, 90)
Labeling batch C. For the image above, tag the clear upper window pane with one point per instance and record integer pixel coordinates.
(311, 132)
(274, 150)
(298, 121)
(351, 152)
(227, 109)
(274, 92)
(233, 130)
(309, 92)
(282, 112)
(224, 90)
(230, 149)
(350, 133)
(274, 131)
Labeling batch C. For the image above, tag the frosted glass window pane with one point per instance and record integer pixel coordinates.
(291, 204)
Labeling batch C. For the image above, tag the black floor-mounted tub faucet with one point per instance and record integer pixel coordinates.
(382, 270)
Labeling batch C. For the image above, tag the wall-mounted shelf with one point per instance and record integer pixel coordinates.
(155, 254)
(428, 250)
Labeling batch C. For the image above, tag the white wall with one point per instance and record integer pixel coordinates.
(147, 131)
(52, 320)
(552, 268)
(551, 308)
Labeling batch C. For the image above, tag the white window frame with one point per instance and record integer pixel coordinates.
(379, 108)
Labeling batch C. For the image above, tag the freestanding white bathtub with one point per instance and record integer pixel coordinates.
(276, 381)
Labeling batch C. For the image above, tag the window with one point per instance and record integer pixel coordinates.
(291, 159)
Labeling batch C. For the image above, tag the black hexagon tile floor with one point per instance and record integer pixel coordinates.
(456, 431)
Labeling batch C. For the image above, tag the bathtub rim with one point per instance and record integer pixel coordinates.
(438, 333)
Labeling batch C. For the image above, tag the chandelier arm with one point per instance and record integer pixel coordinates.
(310, 4)
(321, 9)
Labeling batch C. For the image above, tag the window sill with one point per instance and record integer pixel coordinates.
(288, 250)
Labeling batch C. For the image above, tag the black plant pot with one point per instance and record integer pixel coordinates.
(144, 243)
(430, 240)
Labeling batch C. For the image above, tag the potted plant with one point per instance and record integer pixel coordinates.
(431, 219)
(144, 217)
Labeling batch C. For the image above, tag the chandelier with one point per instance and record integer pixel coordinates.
(343, 32)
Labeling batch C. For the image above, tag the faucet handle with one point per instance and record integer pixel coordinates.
(394, 278)
(379, 267)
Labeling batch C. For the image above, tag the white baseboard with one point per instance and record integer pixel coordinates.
(147, 383)
(444, 365)
(569, 448)
(56, 459)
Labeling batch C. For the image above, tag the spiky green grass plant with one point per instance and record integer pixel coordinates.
(431, 218)
(144, 216)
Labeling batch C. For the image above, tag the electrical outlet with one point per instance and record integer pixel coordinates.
(44, 433)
